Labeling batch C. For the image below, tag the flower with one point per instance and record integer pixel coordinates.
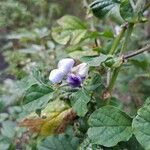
(75, 75)
(65, 65)
(117, 30)
(56, 76)
(81, 70)
(74, 80)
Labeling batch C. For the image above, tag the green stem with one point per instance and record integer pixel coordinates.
(117, 40)
(127, 37)
(116, 70)
(113, 79)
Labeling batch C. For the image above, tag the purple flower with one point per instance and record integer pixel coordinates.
(56, 76)
(66, 65)
(74, 80)
(75, 75)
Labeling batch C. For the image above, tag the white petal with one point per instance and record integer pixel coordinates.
(56, 76)
(117, 30)
(81, 69)
(66, 65)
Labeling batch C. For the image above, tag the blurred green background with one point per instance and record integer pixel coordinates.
(26, 42)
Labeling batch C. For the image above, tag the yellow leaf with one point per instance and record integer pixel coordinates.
(54, 119)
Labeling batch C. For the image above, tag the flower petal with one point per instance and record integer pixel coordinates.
(74, 80)
(56, 76)
(81, 70)
(66, 65)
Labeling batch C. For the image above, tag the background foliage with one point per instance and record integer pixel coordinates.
(35, 35)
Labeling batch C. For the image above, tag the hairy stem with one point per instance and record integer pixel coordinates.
(127, 37)
(114, 46)
(116, 70)
(117, 40)
(113, 79)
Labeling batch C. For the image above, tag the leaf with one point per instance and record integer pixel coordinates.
(140, 63)
(103, 8)
(81, 99)
(95, 60)
(59, 142)
(95, 84)
(53, 119)
(79, 54)
(126, 10)
(24, 84)
(71, 29)
(37, 76)
(37, 96)
(116, 103)
(87, 145)
(141, 125)
(8, 129)
(109, 126)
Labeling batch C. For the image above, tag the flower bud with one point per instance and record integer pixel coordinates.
(74, 80)
(109, 62)
(117, 30)
(66, 65)
(81, 70)
(117, 63)
(56, 76)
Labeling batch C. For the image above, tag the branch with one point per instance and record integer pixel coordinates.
(136, 52)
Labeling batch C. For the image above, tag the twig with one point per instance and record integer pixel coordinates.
(137, 52)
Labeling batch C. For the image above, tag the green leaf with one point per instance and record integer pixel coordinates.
(103, 8)
(37, 96)
(71, 29)
(109, 126)
(81, 98)
(95, 84)
(36, 75)
(141, 125)
(3, 116)
(126, 10)
(79, 54)
(59, 142)
(115, 102)
(8, 129)
(87, 145)
(25, 84)
(95, 60)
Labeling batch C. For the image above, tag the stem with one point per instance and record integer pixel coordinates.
(117, 40)
(113, 79)
(113, 49)
(116, 70)
(132, 3)
(127, 37)
(137, 52)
